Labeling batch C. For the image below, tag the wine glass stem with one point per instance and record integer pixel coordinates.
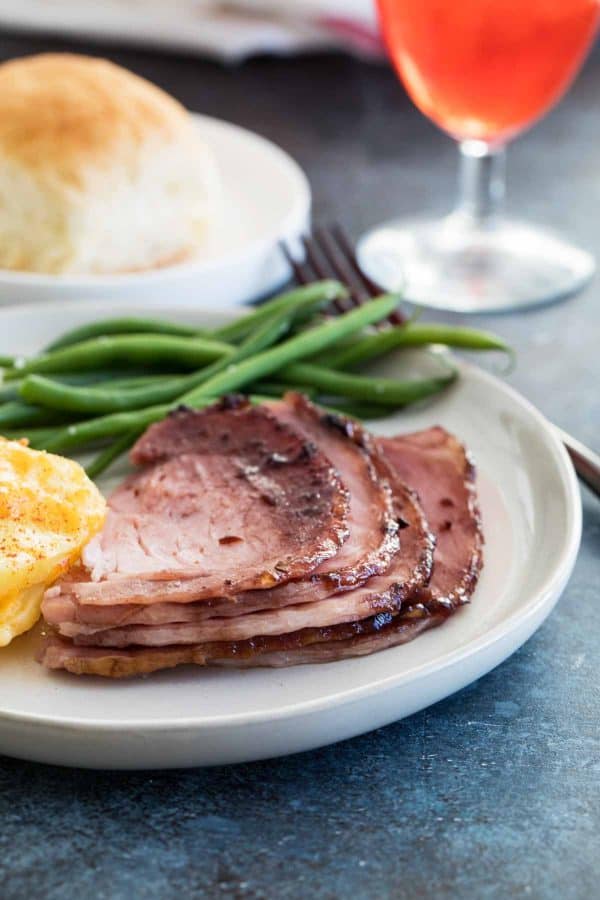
(481, 182)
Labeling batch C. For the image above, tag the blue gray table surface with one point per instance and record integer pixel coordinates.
(492, 793)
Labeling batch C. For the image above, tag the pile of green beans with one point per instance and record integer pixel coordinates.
(102, 384)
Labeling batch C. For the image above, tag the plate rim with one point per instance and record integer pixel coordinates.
(256, 245)
(547, 594)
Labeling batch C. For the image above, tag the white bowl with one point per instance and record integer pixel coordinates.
(266, 199)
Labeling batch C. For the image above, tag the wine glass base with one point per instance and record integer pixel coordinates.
(457, 264)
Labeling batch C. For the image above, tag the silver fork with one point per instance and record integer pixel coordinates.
(329, 253)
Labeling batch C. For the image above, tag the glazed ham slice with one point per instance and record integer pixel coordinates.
(244, 640)
(373, 519)
(408, 571)
(235, 500)
(371, 544)
(111, 662)
(441, 471)
(443, 474)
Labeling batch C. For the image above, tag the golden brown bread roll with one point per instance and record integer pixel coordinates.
(100, 171)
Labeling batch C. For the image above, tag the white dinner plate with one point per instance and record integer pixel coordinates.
(193, 716)
(265, 199)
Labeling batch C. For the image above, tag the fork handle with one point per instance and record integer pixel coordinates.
(585, 461)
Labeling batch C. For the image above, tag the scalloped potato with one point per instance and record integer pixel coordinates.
(49, 509)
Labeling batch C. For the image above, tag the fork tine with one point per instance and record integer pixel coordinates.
(300, 273)
(339, 263)
(315, 257)
(322, 267)
(329, 253)
(340, 235)
(348, 249)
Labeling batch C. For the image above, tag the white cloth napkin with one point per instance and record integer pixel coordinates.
(230, 31)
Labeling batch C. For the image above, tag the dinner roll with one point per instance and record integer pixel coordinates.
(100, 171)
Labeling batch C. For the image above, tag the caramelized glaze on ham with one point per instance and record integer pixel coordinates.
(387, 610)
(442, 472)
(247, 503)
(372, 541)
(408, 571)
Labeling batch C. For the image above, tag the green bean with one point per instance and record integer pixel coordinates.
(107, 456)
(136, 349)
(233, 377)
(380, 391)
(20, 415)
(279, 388)
(413, 335)
(124, 384)
(100, 377)
(156, 348)
(329, 290)
(320, 292)
(9, 391)
(129, 325)
(33, 435)
(238, 375)
(95, 380)
(46, 392)
(89, 430)
(306, 378)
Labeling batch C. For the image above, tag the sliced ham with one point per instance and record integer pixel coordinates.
(409, 570)
(373, 519)
(443, 474)
(381, 637)
(237, 500)
(372, 541)
(114, 663)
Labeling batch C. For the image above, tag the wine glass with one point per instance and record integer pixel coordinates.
(483, 70)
